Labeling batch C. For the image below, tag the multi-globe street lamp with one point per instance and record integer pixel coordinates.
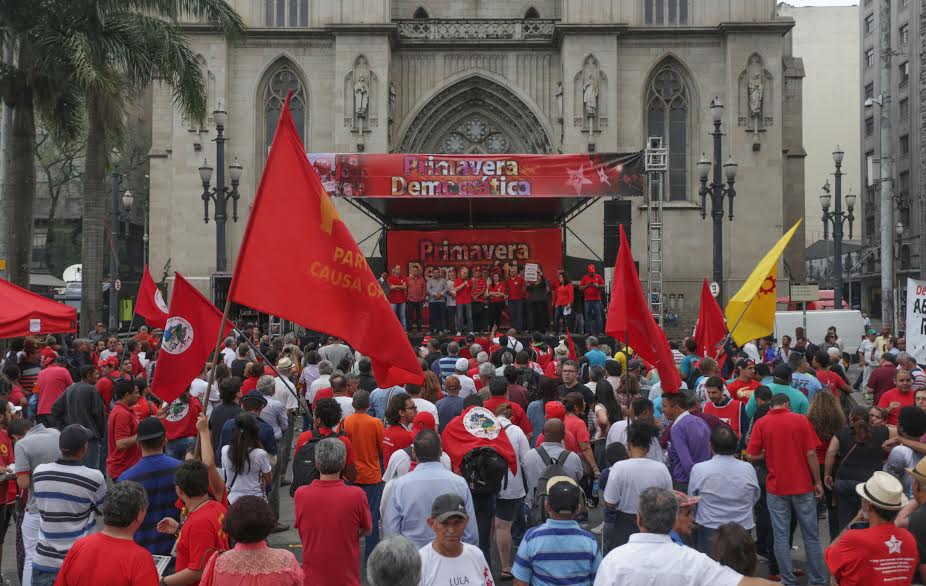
(220, 195)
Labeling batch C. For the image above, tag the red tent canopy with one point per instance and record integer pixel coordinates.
(24, 313)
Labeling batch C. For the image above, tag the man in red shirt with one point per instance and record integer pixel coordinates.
(900, 396)
(107, 380)
(556, 410)
(327, 413)
(727, 409)
(788, 444)
(415, 294)
(882, 378)
(829, 379)
(498, 388)
(8, 489)
(745, 383)
(882, 553)
(516, 292)
(202, 532)
(400, 413)
(329, 517)
(592, 286)
(122, 431)
(480, 286)
(397, 293)
(52, 383)
(575, 406)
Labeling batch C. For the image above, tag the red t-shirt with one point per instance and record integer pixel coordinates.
(329, 517)
(742, 391)
(52, 383)
(395, 438)
(325, 393)
(101, 559)
(497, 288)
(17, 396)
(577, 427)
(249, 384)
(518, 416)
(8, 495)
(786, 438)
(830, 380)
(105, 388)
(144, 408)
(905, 400)
(881, 379)
(416, 288)
(181, 419)
(570, 442)
(877, 556)
(479, 289)
(396, 295)
(122, 423)
(200, 536)
(465, 294)
(516, 291)
(592, 293)
(564, 295)
(305, 436)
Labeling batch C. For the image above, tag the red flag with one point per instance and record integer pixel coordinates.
(475, 427)
(711, 329)
(189, 339)
(150, 303)
(571, 345)
(630, 320)
(320, 280)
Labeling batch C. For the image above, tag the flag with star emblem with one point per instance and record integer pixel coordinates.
(298, 261)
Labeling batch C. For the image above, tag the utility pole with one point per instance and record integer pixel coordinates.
(6, 206)
(887, 181)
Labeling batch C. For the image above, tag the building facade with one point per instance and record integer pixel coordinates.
(462, 76)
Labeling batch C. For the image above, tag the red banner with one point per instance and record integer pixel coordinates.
(418, 175)
(443, 249)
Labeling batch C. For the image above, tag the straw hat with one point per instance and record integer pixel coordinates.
(883, 491)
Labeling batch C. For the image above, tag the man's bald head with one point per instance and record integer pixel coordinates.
(554, 430)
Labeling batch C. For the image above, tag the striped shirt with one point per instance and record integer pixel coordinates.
(156, 475)
(557, 553)
(67, 495)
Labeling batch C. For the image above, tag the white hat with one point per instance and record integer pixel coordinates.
(882, 490)
(834, 352)
(462, 365)
(561, 350)
(284, 364)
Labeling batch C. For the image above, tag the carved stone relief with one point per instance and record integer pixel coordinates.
(755, 96)
(361, 86)
(590, 89)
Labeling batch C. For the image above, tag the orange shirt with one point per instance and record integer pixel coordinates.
(366, 435)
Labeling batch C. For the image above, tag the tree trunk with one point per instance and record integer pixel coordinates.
(94, 216)
(19, 184)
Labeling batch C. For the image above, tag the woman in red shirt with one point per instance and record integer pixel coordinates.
(464, 289)
(497, 295)
(563, 303)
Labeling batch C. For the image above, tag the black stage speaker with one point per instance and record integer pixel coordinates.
(616, 213)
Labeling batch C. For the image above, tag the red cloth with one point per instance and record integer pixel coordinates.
(416, 288)
(876, 556)
(101, 559)
(465, 294)
(150, 303)
(571, 345)
(201, 534)
(7, 495)
(518, 416)
(188, 341)
(629, 319)
(105, 387)
(830, 380)
(479, 289)
(181, 419)
(569, 442)
(577, 427)
(249, 384)
(325, 393)
(729, 414)
(516, 288)
(880, 381)
(395, 438)
(329, 517)
(396, 295)
(497, 288)
(590, 292)
(711, 328)
(894, 395)
(457, 440)
(564, 295)
(324, 283)
(24, 313)
(144, 408)
(741, 390)
(786, 438)
(52, 383)
(121, 424)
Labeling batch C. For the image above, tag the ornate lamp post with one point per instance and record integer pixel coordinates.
(220, 194)
(115, 213)
(718, 191)
(838, 218)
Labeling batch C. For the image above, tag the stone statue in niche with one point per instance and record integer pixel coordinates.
(392, 100)
(755, 95)
(361, 97)
(590, 92)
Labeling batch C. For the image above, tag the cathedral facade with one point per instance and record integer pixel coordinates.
(504, 76)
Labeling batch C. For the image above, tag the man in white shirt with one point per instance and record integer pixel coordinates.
(325, 370)
(228, 352)
(509, 499)
(447, 560)
(339, 390)
(650, 557)
(641, 408)
(334, 352)
(467, 385)
(868, 356)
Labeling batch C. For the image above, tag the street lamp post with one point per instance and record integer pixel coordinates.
(895, 278)
(838, 218)
(127, 200)
(717, 191)
(220, 194)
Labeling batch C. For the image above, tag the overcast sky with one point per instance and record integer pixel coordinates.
(822, 2)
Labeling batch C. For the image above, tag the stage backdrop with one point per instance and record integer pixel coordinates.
(477, 247)
(415, 175)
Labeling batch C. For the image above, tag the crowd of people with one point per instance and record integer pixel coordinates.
(694, 487)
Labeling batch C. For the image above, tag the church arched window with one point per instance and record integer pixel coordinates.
(531, 13)
(278, 81)
(421, 13)
(667, 115)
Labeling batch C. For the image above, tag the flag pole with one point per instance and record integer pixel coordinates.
(218, 342)
(125, 347)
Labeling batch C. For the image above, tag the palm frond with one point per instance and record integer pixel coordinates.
(218, 13)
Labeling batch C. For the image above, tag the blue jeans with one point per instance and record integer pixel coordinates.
(92, 457)
(465, 317)
(436, 315)
(177, 448)
(593, 321)
(805, 506)
(516, 313)
(42, 578)
(399, 310)
(415, 313)
(374, 495)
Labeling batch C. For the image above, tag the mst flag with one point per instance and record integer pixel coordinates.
(630, 320)
(150, 303)
(751, 312)
(188, 340)
(475, 427)
(321, 280)
(711, 330)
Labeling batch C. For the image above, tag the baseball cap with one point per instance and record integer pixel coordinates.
(255, 395)
(462, 365)
(684, 500)
(564, 495)
(448, 505)
(554, 410)
(73, 438)
(782, 371)
(591, 268)
(423, 420)
(870, 332)
(150, 428)
(111, 361)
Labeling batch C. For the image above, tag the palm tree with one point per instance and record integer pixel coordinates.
(116, 48)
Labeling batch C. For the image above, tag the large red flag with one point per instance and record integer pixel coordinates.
(630, 320)
(299, 261)
(711, 329)
(189, 338)
(475, 427)
(571, 345)
(150, 303)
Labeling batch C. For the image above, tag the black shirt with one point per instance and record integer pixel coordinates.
(863, 461)
(917, 527)
(222, 413)
(237, 367)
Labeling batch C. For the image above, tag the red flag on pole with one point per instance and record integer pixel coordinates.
(321, 280)
(629, 319)
(187, 341)
(711, 328)
(571, 345)
(150, 303)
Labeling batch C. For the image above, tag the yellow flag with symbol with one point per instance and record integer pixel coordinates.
(751, 312)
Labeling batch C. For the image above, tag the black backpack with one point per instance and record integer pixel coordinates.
(484, 470)
(538, 512)
(694, 374)
(304, 469)
(529, 379)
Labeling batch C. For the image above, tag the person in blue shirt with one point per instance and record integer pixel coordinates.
(252, 403)
(691, 358)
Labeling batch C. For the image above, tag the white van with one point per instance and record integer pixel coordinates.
(850, 326)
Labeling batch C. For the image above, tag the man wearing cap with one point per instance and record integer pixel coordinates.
(67, 495)
(252, 403)
(882, 553)
(82, 404)
(447, 559)
(52, 382)
(467, 384)
(592, 285)
(781, 383)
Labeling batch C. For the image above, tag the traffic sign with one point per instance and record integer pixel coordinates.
(118, 285)
(715, 288)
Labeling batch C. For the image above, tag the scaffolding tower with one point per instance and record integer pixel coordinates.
(656, 162)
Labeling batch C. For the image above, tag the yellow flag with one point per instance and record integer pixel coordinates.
(751, 312)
